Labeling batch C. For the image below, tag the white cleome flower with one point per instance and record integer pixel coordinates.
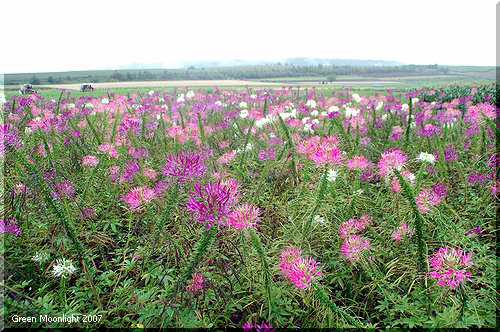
(311, 103)
(190, 94)
(332, 175)
(356, 97)
(151, 92)
(349, 112)
(243, 114)
(319, 219)
(218, 103)
(379, 106)
(308, 127)
(333, 108)
(314, 113)
(180, 99)
(427, 157)
(243, 104)
(105, 101)
(63, 268)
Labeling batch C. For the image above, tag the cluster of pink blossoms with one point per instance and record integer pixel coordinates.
(448, 267)
(244, 216)
(138, 196)
(90, 160)
(359, 163)
(426, 199)
(300, 270)
(390, 160)
(354, 244)
(401, 232)
(322, 150)
(353, 226)
(196, 284)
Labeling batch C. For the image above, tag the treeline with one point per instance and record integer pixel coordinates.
(221, 73)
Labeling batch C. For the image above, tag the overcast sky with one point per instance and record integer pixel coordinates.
(60, 35)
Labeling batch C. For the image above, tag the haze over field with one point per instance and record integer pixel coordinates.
(63, 36)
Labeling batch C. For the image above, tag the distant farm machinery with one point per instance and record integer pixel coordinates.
(84, 87)
(27, 89)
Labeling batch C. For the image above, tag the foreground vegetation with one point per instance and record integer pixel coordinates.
(290, 208)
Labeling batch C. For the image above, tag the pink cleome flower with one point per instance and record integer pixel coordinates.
(196, 284)
(401, 232)
(244, 217)
(300, 270)
(449, 267)
(359, 163)
(137, 196)
(353, 247)
(90, 160)
(263, 327)
(390, 160)
(426, 199)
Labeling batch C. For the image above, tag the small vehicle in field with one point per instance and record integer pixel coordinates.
(27, 89)
(86, 87)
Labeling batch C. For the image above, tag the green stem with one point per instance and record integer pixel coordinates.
(323, 298)
(419, 223)
(201, 249)
(321, 195)
(257, 244)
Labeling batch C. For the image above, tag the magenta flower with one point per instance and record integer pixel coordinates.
(476, 231)
(150, 173)
(353, 226)
(267, 154)
(263, 327)
(10, 226)
(477, 177)
(196, 284)
(449, 267)
(211, 204)
(64, 189)
(440, 191)
(184, 166)
(300, 270)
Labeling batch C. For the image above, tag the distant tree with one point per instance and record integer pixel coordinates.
(191, 67)
(117, 76)
(331, 78)
(50, 80)
(34, 80)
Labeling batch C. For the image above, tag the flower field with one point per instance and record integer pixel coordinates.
(256, 209)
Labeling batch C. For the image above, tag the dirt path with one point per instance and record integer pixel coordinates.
(199, 83)
(193, 83)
